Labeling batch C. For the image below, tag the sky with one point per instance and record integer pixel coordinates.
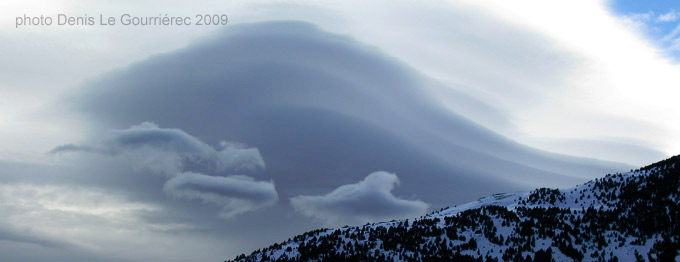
(658, 21)
(203, 142)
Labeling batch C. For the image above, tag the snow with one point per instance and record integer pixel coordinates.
(577, 198)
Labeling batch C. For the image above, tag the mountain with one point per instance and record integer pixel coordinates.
(629, 216)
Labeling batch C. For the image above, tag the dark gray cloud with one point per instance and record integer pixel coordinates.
(369, 200)
(236, 194)
(324, 109)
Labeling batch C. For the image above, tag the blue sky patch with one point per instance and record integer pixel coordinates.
(658, 20)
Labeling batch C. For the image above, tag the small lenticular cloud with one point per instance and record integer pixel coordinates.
(236, 194)
(147, 141)
(369, 200)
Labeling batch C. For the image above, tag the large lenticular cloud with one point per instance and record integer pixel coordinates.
(324, 109)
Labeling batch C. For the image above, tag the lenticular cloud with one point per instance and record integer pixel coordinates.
(236, 194)
(149, 137)
(326, 110)
(369, 200)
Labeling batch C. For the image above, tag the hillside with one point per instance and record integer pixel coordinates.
(629, 216)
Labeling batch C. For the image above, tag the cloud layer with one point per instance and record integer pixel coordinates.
(369, 200)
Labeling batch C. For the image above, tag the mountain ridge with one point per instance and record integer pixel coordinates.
(630, 216)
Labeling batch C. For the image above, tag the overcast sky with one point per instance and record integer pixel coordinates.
(190, 140)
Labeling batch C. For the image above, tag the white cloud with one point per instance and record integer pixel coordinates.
(236, 194)
(671, 16)
(369, 200)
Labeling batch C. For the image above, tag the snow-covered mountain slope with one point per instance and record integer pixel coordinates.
(621, 217)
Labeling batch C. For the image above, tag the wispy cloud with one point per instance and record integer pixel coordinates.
(675, 45)
(658, 26)
(673, 35)
(670, 16)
